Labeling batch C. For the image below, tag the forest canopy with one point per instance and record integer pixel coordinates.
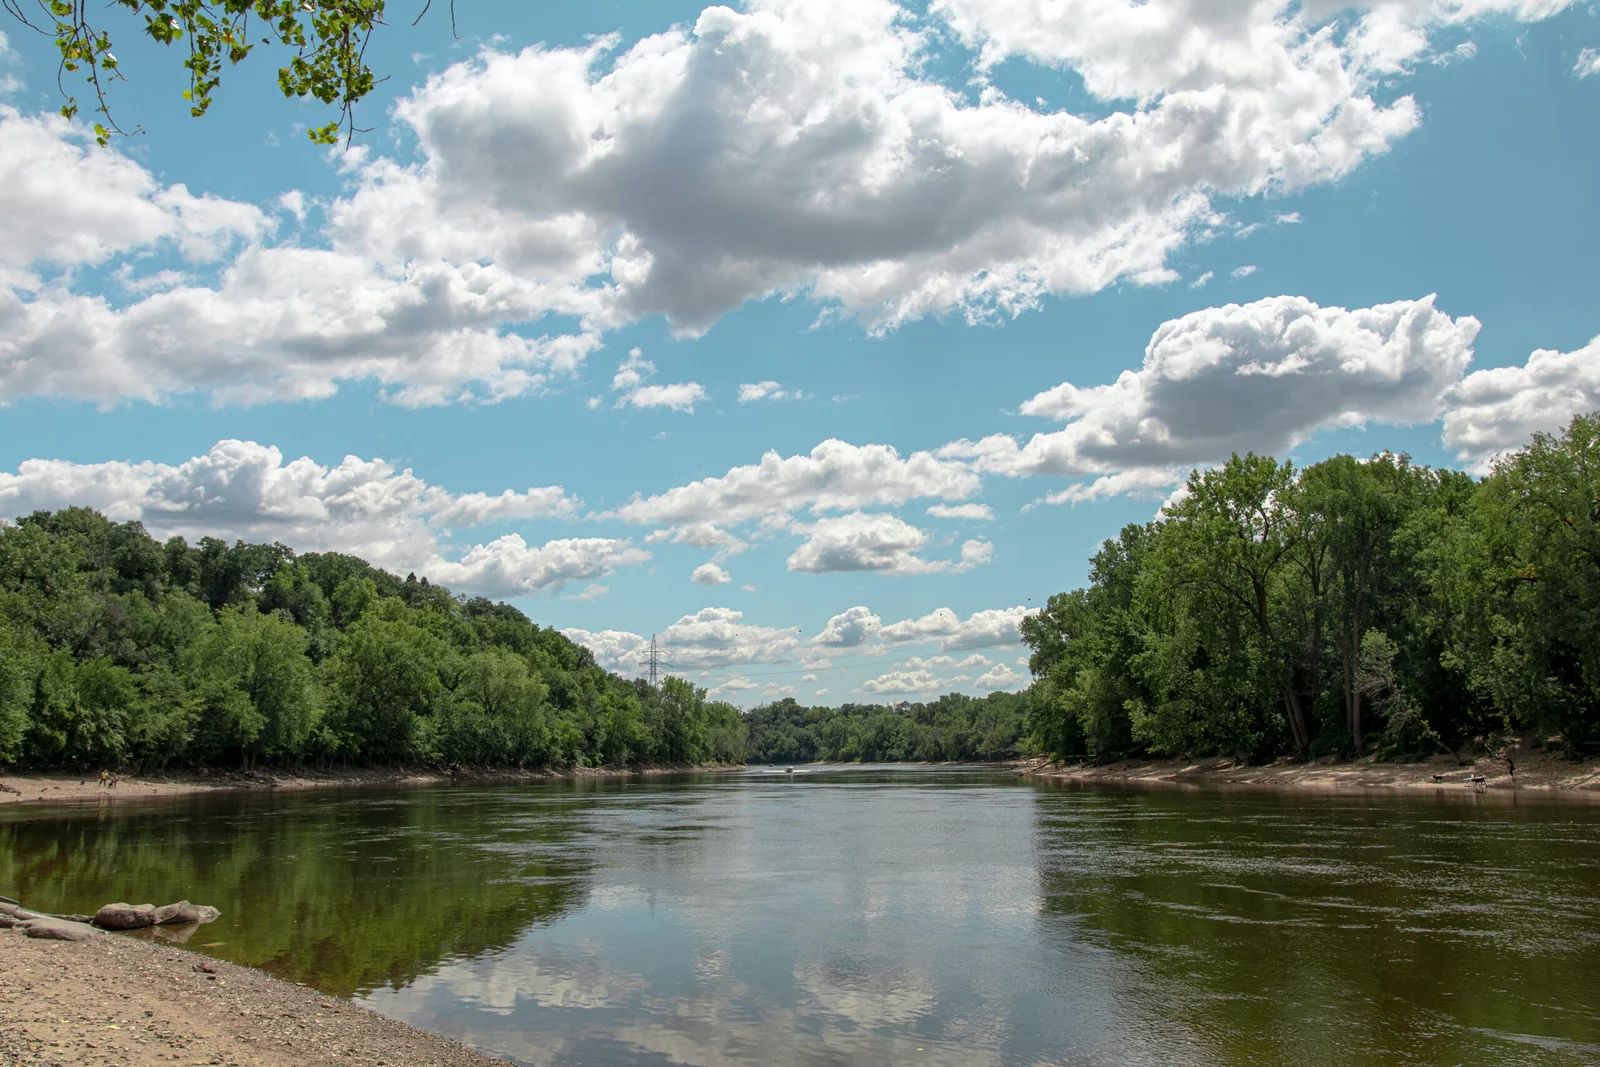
(1348, 607)
(119, 650)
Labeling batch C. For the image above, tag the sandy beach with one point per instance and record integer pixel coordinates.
(117, 1001)
(1537, 771)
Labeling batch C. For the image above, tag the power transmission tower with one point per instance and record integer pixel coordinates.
(655, 661)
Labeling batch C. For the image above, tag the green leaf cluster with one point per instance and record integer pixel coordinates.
(326, 42)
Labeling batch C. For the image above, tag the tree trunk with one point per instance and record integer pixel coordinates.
(1349, 669)
(1297, 719)
(1355, 651)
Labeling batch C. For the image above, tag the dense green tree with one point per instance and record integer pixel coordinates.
(1359, 599)
(262, 697)
(119, 650)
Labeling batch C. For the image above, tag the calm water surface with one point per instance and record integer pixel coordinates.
(880, 915)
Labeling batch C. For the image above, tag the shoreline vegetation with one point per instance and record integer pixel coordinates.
(1348, 609)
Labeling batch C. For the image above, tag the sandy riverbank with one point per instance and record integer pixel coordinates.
(114, 1001)
(1537, 771)
(15, 789)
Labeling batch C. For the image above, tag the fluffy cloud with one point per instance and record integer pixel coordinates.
(835, 476)
(981, 629)
(710, 574)
(64, 201)
(914, 681)
(509, 566)
(700, 535)
(730, 686)
(712, 637)
(280, 323)
(982, 512)
(630, 378)
(1294, 366)
(288, 324)
(974, 554)
(849, 628)
(615, 650)
(392, 518)
(1494, 410)
(1251, 49)
(885, 543)
(862, 542)
(681, 396)
(795, 147)
(1588, 63)
(767, 391)
(939, 663)
(1000, 677)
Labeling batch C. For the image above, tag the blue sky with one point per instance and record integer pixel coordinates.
(918, 223)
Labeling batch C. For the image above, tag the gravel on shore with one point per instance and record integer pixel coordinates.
(23, 788)
(1537, 771)
(117, 1001)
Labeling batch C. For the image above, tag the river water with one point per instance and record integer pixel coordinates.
(884, 916)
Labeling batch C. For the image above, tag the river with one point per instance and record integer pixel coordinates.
(876, 915)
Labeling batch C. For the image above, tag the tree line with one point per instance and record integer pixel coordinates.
(117, 650)
(1349, 607)
(953, 727)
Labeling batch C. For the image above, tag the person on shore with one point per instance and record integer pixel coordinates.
(1511, 766)
(104, 778)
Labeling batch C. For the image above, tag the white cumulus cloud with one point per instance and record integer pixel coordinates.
(875, 542)
(981, 629)
(1498, 409)
(615, 650)
(635, 371)
(64, 201)
(849, 628)
(390, 517)
(834, 476)
(913, 681)
(1262, 376)
(798, 148)
(825, 161)
(1000, 676)
(710, 574)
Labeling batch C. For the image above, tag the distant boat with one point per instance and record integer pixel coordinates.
(789, 771)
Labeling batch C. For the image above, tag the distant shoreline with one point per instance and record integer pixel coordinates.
(35, 788)
(1537, 772)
